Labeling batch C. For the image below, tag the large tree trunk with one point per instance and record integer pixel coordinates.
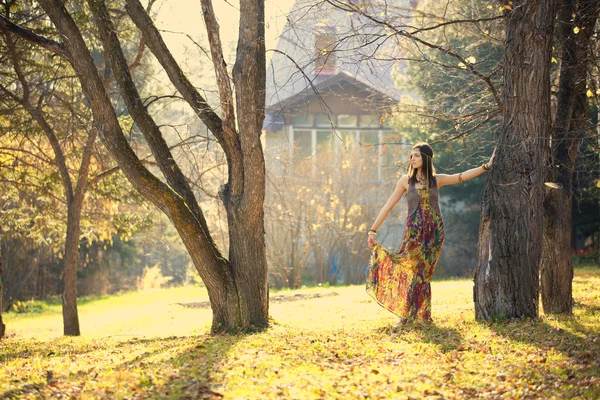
(556, 268)
(510, 235)
(247, 249)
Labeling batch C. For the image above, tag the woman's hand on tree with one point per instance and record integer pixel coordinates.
(489, 163)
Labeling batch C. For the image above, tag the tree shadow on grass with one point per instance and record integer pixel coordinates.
(173, 367)
(28, 348)
(589, 308)
(569, 337)
(447, 339)
(578, 343)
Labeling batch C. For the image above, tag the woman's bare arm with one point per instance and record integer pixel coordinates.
(443, 179)
(392, 201)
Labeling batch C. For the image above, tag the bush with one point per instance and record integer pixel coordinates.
(590, 255)
(21, 307)
(153, 278)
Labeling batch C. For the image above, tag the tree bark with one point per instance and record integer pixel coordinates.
(71, 261)
(2, 326)
(556, 268)
(247, 249)
(510, 236)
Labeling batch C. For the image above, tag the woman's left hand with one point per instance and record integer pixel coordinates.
(489, 163)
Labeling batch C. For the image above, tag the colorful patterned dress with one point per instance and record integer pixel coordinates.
(400, 281)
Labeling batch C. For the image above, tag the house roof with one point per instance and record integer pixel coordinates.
(322, 83)
(291, 77)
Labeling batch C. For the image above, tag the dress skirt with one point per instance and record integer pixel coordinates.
(400, 281)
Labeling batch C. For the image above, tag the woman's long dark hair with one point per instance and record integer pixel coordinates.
(428, 168)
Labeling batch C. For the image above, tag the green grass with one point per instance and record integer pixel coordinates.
(145, 345)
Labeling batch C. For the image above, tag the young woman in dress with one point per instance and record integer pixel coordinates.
(400, 281)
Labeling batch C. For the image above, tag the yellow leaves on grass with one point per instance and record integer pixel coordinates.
(339, 347)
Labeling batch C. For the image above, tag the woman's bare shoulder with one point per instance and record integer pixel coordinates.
(403, 182)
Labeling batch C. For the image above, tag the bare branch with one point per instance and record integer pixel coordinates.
(32, 37)
(216, 49)
(468, 66)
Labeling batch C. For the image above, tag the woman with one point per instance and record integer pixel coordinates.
(400, 281)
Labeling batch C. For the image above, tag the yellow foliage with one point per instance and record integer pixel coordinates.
(153, 278)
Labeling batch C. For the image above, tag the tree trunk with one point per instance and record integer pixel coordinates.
(71, 261)
(556, 268)
(247, 249)
(510, 233)
(2, 326)
(248, 259)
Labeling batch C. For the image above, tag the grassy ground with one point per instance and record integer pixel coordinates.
(341, 345)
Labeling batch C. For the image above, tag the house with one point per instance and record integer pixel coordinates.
(330, 92)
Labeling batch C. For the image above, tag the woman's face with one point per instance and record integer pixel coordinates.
(415, 158)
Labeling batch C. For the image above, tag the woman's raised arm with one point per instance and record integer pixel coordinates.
(444, 180)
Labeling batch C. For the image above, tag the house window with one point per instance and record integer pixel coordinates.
(302, 144)
(369, 121)
(359, 148)
(325, 143)
(324, 52)
(323, 120)
(302, 121)
(347, 121)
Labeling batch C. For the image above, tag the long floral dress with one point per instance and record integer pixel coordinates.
(400, 281)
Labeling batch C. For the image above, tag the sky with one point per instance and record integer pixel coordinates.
(185, 16)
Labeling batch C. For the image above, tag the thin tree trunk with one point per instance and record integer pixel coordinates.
(510, 235)
(14, 293)
(556, 268)
(571, 120)
(2, 326)
(71, 261)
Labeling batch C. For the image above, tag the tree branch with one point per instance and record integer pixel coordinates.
(32, 37)
(37, 115)
(150, 130)
(223, 130)
(216, 50)
(158, 47)
(487, 79)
